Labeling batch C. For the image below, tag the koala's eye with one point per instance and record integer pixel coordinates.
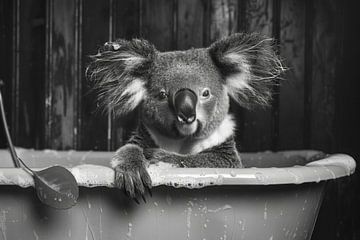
(162, 95)
(205, 93)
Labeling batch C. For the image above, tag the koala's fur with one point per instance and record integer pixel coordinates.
(134, 76)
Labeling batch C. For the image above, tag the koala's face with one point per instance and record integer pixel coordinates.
(185, 93)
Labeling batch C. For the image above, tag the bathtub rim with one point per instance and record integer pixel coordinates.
(332, 167)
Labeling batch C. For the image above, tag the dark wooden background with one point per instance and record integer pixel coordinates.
(44, 49)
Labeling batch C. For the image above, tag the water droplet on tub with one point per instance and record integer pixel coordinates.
(205, 225)
(129, 230)
(168, 199)
(260, 177)
(265, 211)
(232, 173)
(297, 178)
(333, 176)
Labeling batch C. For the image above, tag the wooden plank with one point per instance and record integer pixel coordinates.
(190, 21)
(223, 19)
(62, 76)
(6, 58)
(126, 11)
(95, 32)
(327, 54)
(292, 49)
(31, 78)
(257, 134)
(309, 19)
(276, 12)
(241, 11)
(158, 22)
(347, 87)
(15, 71)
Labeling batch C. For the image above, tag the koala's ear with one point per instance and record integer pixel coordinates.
(249, 66)
(119, 71)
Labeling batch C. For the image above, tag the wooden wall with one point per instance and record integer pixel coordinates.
(45, 44)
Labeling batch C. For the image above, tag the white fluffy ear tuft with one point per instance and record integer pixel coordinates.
(134, 93)
(238, 82)
(250, 67)
(119, 71)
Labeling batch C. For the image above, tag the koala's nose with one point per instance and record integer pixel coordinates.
(185, 105)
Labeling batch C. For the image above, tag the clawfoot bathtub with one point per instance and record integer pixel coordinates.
(278, 197)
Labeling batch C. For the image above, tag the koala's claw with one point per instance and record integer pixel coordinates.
(134, 181)
(137, 201)
(149, 191)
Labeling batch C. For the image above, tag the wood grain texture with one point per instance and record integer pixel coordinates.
(326, 56)
(347, 85)
(190, 24)
(126, 19)
(223, 19)
(157, 23)
(6, 57)
(292, 50)
(61, 90)
(95, 32)
(257, 134)
(31, 68)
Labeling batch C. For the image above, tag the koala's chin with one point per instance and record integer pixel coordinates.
(186, 130)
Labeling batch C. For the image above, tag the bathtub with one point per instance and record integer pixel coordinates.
(277, 197)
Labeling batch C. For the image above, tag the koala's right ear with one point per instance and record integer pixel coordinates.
(249, 66)
(119, 71)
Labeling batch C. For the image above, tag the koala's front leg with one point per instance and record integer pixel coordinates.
(221, 156)
(200, 160)
(131, 175)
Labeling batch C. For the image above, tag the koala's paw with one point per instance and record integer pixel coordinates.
(131, 176)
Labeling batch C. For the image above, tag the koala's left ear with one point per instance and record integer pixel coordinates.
(119, 71)
(249, 66)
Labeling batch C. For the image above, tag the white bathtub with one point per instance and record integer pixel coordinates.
(278, 198)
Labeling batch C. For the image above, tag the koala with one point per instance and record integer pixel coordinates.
(182, 101)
